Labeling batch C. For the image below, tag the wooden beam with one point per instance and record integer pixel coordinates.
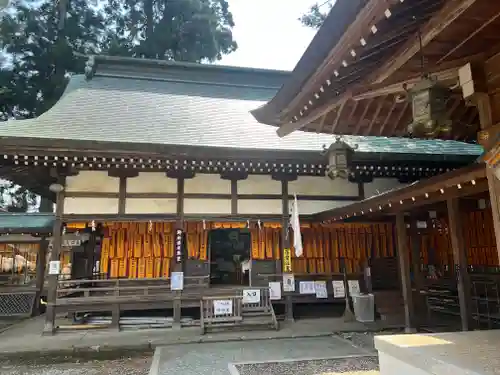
(469, 37)
(404, 269)
(398, 119)
(290, 127)
(338, 115)
(440, 21)
(380, 89)
(389, 114)
(322, 122)
(460, 260)
(375, 116)
(351, 115)
(365, 111)
(419, 189)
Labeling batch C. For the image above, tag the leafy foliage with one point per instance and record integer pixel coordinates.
(317, 14)
(14, 198)
(39, 49)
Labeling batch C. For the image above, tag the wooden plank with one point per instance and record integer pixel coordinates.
(460, 260)
(404, 269)
(440, 21)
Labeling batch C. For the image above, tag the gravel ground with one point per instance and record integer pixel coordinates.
(347, 366)
(214, 358)
(137, 365)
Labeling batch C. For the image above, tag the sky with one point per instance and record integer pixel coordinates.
(268, 33)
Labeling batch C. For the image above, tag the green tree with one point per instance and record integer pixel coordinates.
(316, 14)
(181, 30)
(40, 38)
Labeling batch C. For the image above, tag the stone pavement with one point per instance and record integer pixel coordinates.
(25, 338)
(224, 357)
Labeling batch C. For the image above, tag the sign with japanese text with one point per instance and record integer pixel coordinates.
(287, 260)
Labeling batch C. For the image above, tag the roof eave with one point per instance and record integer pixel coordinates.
(342, 15)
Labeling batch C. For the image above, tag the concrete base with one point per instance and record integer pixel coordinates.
(461, 353)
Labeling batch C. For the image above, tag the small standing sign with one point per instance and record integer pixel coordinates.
(251, 296)
(320, 289)
(274, 290)
(338, 288)
(177, 281)
(223, 307)
(54, 267)
(288, 282)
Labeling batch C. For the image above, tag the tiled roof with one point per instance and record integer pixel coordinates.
(178, 111)
(26, 223)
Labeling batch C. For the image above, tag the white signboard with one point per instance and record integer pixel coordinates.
(223, 307)
(177, 281)
(251, 296)
(320, 289)
(275, 290)
(353, 287)
(338, 288)
(307, 287)
(54, 267)
(288, 282)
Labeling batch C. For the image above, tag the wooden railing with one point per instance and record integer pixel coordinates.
(123, 287)
(213, 314)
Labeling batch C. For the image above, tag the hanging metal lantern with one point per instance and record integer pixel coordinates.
(339, 156)
(428, 99)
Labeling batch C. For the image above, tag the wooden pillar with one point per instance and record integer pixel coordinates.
(404, 269)
(50, 316)
(494, 187)
(179, 223)
(460, 261)
(285, 241)
(41, 261)
(486, 136)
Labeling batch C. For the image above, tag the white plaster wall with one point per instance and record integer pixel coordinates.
(260, 206)
(207, 184)
(151, 206)
(312, 207)
(207, 206)
(92, 181)
(381, 185)
(256, 184)
(91, 206)
(322, 185)
(151, 182)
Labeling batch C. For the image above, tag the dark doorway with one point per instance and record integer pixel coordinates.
(229, 254)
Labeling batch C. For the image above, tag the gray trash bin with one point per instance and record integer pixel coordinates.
(364, 307)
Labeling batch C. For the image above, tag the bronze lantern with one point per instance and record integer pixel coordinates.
(339, 156)
(428, 99)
